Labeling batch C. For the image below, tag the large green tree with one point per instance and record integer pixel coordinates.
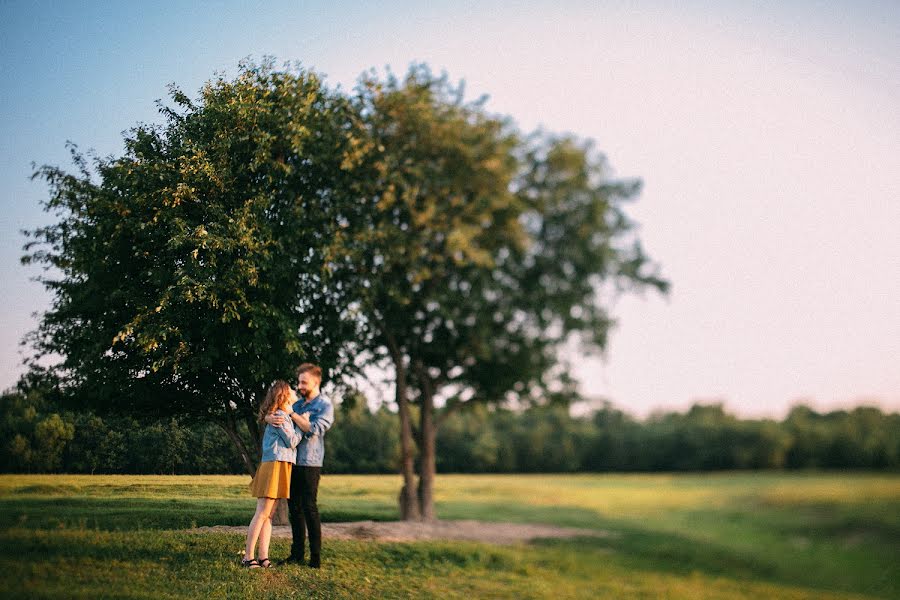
(196, 268)
(486, 253)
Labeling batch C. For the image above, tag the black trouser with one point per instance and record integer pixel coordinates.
(303, 510)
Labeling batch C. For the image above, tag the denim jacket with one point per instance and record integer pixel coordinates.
(280, 443)
(311, 451)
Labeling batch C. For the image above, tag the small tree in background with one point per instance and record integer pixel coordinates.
(485, 254)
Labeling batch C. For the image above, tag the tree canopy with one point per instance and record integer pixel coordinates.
(486, 251)
(193, 270)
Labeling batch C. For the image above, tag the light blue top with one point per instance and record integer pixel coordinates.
(280, 443)
(311, 451)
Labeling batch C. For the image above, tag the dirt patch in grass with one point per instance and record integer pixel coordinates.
(411, 531)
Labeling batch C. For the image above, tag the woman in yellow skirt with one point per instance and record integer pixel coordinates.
(273, 477)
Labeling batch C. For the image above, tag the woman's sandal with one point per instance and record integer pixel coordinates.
(265, 563)
(250, 564)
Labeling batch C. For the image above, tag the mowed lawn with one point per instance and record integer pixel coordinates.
(731, 535)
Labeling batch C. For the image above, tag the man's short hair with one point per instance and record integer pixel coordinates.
(315, 370)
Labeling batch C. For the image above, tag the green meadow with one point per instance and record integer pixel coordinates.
(731, 535)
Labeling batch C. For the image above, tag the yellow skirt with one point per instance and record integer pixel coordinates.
(272, 480)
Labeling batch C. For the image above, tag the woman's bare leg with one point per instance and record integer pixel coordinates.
(263, 511)
(265, 535)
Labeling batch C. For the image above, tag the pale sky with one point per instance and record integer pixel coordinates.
(767, 135)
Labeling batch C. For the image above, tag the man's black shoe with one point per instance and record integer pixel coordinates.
(314, 561)
(291, 560)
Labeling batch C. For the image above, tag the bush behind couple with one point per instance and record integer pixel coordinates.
(293, 449)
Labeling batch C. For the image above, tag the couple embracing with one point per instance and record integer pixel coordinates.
(293, 448)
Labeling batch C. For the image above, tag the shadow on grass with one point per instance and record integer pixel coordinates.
(35, 546)
(839, 521)
(561, 515)
(630, 546)
(829, 562)
(435, 555)
(679, 554)
(30, 546)
(129, 514)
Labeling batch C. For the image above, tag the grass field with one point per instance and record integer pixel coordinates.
(731, 535)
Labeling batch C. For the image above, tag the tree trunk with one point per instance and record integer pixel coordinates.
(281, 516)
(256, 430)
(409, 497)
(427, 468)
(231, 431)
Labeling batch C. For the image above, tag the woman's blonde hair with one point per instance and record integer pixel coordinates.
(277, 395)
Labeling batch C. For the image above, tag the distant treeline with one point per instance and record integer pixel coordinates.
(35, 438)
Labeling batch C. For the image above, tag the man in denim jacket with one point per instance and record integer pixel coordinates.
(313, 416)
